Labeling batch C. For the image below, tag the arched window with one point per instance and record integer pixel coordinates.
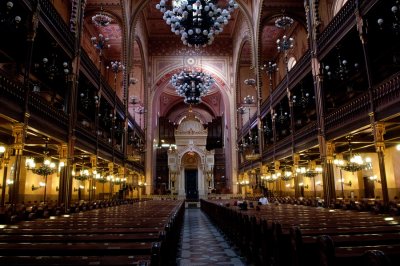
(338, 5)
(291, 63)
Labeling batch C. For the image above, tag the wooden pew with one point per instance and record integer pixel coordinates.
(147, 231)
(75, 260)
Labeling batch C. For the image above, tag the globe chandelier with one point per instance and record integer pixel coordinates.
(101, 19)
(192, 85)
(197, 21)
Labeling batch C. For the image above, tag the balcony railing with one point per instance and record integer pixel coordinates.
(56, 25)
(337, 28)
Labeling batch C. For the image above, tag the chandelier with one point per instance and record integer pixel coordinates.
(8, 16)
(287, 173)
(192, 85)
(285, 44)
(271, 176)
(197, 21)
(100, 43)
(284, 21)
(101, 19)
(309, 172)
(46, 168)
(395, 20)
(282, 117)
(302, 100)
(356, 162)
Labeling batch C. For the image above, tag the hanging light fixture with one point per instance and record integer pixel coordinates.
(192, 85)
(45, 169)
(8, 15)
(282, 117)
(283, 22)
(101, 19)
(197, 21)
(302, 100)
(395, 20)
(355, 163)
(100, 43)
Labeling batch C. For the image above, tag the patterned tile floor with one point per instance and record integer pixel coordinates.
(203, 244)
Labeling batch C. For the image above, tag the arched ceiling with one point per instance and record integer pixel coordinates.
(160, 38)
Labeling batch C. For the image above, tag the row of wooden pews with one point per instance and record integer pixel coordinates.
(286, 234)
(139, 233)
(37, 210)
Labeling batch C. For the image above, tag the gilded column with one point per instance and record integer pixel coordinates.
(92, 179)
(328, 172)
(73, 81)
(378, 129)
(6, 161)
(111, 173)
(18, 132)
(296, 161)
(63, 152)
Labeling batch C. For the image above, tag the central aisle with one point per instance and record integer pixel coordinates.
(202, 244)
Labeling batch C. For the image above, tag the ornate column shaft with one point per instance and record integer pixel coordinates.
(312, 28)
(73, 80)
(63, 151)
(6, 160)
(92, 180)
(19, 132)
(111, 172)
(328, 175)
(379, 131)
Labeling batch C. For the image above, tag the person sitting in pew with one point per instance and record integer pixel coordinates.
(243, 206)
(263, 200)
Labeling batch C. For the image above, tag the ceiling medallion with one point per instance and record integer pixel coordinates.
(197, 21)
(192, 85)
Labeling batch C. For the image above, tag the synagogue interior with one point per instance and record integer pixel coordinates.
(129, 128)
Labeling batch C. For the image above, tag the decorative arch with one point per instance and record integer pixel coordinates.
(192, 149)
(191, 160)
(142, 91)
(160, 85)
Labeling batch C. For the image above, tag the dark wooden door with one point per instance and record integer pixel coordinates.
(369, 187)
(191, 184)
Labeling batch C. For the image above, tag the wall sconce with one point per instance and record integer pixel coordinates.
(344, 183)
(93, 188)
(9, 182)
(79, 188)
(398, 147)
(41, 184)
(302, 185)
(141, 184)
(2, 152)
(374, 178)
(318, 183)
(289, 186)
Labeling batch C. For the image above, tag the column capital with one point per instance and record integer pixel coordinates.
(18, 132)
(378, 129)
(296, 159)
